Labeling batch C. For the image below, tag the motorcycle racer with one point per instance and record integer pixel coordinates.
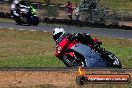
(59, 33)
(24, 13)
(16, 5)
(84, 38)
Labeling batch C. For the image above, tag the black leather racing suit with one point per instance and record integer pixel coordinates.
(84, 38)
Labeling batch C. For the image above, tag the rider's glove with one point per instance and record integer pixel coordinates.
(72, 37)
(96, 46)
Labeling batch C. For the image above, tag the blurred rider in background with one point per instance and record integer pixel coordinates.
(15, 6)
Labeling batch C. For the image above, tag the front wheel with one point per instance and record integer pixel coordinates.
(18, 20)
(81, 80)
(72, 61)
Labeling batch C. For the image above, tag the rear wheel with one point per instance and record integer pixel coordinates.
(113, 61)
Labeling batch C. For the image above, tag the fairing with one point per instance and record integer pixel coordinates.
(92, 59)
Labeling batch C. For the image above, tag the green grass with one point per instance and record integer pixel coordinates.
(31, 61)
(122, 5)
(36, 49)
(6, 20)
(27, 49)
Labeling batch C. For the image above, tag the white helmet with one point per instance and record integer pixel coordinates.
(16, 2)
(57, 32)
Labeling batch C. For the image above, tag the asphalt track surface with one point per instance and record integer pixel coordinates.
(114, 33)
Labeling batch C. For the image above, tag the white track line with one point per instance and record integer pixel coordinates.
(45, 31)
(32, 30)
(130, 39)
(21, 29)
(10, 28)
(124, 38)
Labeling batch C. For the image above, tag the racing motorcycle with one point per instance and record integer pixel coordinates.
(27, 15)
(74, 54)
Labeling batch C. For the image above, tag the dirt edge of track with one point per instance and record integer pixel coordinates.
(44, 79)
(33, 78)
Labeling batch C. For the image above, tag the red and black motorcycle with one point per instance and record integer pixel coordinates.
(74, 54)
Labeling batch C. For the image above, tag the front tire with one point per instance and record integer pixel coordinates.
(72, 62)
(35, 21)
(18, 20)
(81, 80)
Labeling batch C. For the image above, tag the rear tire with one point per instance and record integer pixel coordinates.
(115, 62)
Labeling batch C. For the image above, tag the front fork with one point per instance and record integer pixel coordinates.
(75, 60)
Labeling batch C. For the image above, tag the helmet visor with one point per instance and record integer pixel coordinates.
(55, 37)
